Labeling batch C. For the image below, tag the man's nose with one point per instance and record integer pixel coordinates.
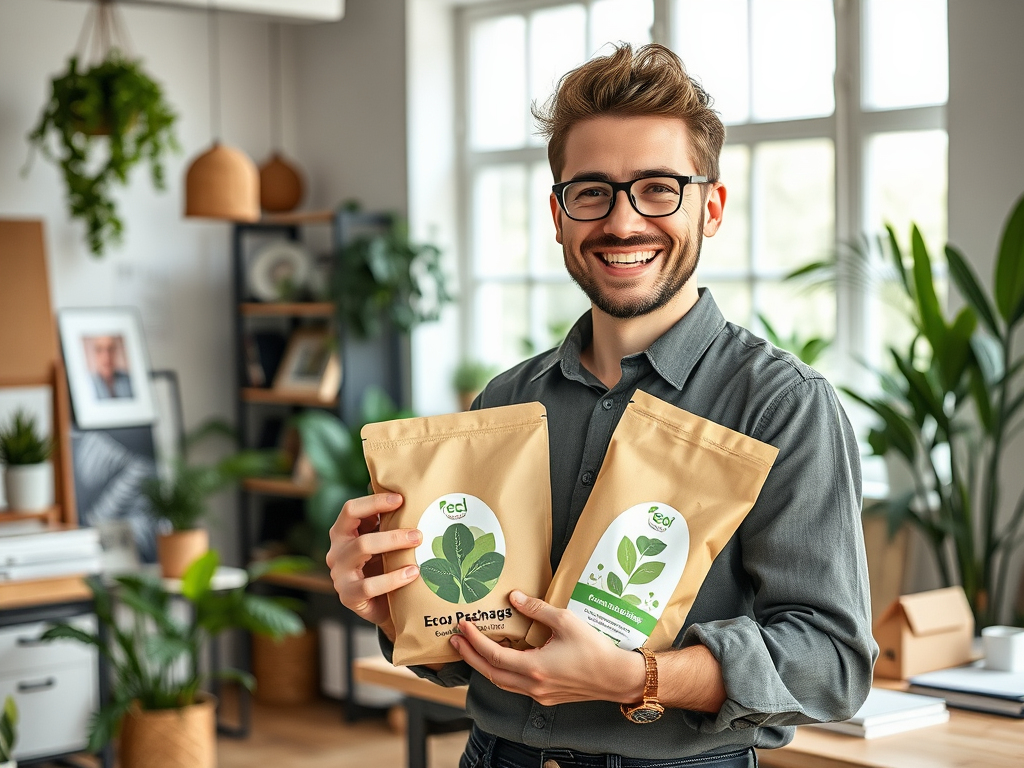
(623, 219)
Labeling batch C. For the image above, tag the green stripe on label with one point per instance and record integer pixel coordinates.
(618, 609)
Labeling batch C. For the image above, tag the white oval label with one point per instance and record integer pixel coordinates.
(463, 550)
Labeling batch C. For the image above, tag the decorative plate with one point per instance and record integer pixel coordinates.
(279, 271)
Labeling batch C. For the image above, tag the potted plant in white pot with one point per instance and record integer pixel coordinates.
(8, 733)
(180, 502)
(156, 704)
(28, 478)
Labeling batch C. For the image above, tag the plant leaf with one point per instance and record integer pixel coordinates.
(614, 583)
(652, 548)
(449, 592)
(1009, 272)
(488, 567)
(484, 544)
(438, 572)
(627, 555)
(474, 589)
(199, 575)
(632, 600)
(646, 573)
(971, 290)
(457, 543)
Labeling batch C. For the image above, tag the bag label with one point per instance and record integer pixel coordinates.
(463, 550)
(632, 573)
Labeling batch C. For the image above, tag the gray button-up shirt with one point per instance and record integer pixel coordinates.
(785, 607)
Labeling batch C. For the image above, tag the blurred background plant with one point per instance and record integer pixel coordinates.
(469, 379)
(808, 349)
(947, 404)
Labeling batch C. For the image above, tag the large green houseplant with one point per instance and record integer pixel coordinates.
(154, 658)
(949, 405)
(105, 119)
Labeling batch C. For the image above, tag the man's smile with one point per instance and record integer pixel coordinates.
(627, 259)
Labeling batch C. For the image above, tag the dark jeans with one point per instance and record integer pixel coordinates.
(486, 751)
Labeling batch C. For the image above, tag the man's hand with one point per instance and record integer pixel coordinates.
(576, 664)
(355, 558)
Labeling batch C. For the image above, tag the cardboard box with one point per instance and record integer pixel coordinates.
(923, 632)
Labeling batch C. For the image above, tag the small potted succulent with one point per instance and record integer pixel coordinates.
(28, 477)
(181, 501)
(8, 733)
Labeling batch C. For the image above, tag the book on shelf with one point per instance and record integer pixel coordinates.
(975, 687)
(24, 548)
(886, 712)
(51, 569)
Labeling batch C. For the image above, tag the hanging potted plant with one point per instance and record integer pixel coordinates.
(181, 501)
(98, 124)
(28, 476)
(164, 718)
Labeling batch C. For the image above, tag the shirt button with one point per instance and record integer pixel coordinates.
(538, 722)
(607, 404)
(588, 478)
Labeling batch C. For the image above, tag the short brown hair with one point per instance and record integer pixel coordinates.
(651, 81)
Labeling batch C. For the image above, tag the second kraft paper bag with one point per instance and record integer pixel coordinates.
(477, 485)
(671, 492)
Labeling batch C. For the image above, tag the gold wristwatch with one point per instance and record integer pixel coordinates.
(648, 710)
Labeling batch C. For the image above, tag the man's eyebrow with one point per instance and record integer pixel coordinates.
(639, 174)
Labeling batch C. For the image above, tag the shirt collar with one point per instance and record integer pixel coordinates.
(673, 355)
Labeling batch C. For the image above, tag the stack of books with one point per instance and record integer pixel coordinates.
(974, 687)
(49, 554)
(887, 712)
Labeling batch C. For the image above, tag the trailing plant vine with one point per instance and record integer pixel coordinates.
(113, 103)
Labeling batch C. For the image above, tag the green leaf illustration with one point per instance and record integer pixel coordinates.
(438, 571)
(436, 548)
(449, 592)
(458, 542)
(614, 583)
(650, 547)
(484, 544)
(632, 600)
(473, 590)
(488, 567)
(627, 555)
(646, 573)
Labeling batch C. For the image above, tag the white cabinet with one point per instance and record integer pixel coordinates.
(55, 686)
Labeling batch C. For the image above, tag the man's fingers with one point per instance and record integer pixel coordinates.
(537, 609)
(365, 590)
(367, 506)
(375, 543)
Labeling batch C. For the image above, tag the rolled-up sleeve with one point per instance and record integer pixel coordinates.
(806, 653)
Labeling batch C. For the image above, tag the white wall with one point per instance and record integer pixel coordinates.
(986, 150)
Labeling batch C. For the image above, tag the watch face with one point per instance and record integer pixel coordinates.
(645, 714)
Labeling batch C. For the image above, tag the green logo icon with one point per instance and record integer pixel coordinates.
(465, 566)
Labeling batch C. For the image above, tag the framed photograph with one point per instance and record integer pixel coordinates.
(108, 368)
(311, 365)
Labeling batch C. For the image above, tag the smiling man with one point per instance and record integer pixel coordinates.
(779, 633)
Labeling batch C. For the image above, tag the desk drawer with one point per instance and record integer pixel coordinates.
(21, 650)
(54, 708)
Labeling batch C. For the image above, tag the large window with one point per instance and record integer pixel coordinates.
(835, 126)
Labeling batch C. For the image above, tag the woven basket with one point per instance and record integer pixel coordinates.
(171, 738)
(287, 672)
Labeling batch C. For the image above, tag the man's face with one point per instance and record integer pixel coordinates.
(104, 349)
(627, 264)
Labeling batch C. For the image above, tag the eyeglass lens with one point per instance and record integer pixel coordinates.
(652, 196)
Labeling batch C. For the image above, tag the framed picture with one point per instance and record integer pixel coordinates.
(108, 368)
(311, 365)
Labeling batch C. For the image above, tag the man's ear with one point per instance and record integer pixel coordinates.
(714, 207)
(556, 216)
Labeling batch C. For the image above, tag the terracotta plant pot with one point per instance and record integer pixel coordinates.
(29, 487)
(171, 738)
(178, 550)
(286, 671)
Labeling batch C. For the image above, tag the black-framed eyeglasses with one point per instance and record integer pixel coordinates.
(650, 196)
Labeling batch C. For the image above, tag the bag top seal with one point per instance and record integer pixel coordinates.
(425, 429)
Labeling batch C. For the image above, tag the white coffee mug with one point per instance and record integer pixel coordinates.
(1004, 648)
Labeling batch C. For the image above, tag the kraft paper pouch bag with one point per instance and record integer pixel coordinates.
(477, 484)
(671, 492)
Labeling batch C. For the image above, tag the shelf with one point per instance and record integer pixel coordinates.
(283, 486)
(299, 217)
(51, 515)
(272, 396)
(311, 582)
(288, 309)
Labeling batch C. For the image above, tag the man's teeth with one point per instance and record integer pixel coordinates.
(633, 257)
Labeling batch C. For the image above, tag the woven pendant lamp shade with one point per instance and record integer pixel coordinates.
(222, 183)
(281, 185)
